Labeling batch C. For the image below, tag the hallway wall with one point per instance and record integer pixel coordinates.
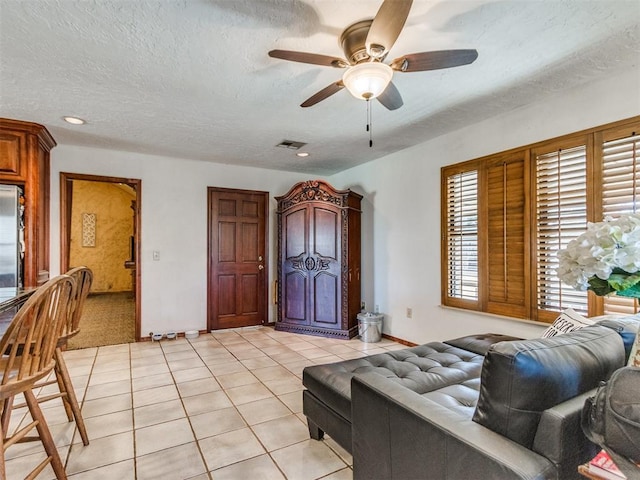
(114, 226)
(173, 212)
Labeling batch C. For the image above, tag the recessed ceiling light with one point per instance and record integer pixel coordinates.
(74, 120)
(302, 154)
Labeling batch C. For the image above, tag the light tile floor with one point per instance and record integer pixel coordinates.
(226, 405)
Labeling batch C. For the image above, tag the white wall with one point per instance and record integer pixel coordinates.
(401, 206)
(401, 214)
(174, 222)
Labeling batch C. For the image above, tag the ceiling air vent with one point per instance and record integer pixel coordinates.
(291, 145)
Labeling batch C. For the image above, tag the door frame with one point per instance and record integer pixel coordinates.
(210, 319)
(66, 199)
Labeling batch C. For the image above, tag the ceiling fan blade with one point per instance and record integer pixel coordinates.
(391, 97)
(322, 94)
(313, 58)
(386, 26)
(419, 62)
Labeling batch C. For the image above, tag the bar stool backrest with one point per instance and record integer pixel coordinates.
(29, 343)
(83, 277)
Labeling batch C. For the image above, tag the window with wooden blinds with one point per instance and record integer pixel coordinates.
(506, 236)
(462, 235)
(505, 216)
(561, 215)
(620, 193)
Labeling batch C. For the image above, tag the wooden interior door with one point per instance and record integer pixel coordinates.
(237, 271)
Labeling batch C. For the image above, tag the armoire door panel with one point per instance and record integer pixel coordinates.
(325, 299)
(296, 233)
(325, 232)
(295, 301)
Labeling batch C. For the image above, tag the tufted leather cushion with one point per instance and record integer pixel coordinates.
(479, 343)
(521, 379)
(422, 369)
(461, 398)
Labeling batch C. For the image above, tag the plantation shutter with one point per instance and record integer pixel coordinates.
(505, 245)
(505, 216)
(461, 242)
(561, 215)
(620, 192)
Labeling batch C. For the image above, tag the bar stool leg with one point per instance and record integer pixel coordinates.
(7, 407)
(63, 391)
(63, 373)
(45, 435)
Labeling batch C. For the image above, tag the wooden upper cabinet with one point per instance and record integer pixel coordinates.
(24, 161)
(319, 260)
(11, 154)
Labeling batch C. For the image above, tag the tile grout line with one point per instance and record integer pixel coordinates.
(242, 416)
(186, 413)
(84, 396)
(251, 339)
(296, 416)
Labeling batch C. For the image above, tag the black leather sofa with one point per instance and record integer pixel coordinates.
(486, 407)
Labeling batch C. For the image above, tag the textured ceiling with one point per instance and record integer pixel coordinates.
(192, 79)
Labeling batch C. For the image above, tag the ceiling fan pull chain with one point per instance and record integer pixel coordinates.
(369, 123)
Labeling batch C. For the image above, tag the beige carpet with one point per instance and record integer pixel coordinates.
(107, 319)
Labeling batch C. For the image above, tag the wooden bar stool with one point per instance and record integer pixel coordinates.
(83, 278)
(28, 348)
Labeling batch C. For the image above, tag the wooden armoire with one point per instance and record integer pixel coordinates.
(319, 260)
(24, 161)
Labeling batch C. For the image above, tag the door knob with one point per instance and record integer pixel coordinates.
(260, 267)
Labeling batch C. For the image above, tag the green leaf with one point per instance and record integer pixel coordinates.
(633, 292)
(623, 281)
(600, 287)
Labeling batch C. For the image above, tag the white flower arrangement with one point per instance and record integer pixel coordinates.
(605, 258)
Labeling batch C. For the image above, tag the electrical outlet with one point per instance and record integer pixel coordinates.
(377, 310)
(156, 255)
(363, 306)
(409, 312)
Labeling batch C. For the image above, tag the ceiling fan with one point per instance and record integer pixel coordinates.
(365, 45)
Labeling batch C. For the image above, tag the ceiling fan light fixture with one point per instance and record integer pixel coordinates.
(367, 80)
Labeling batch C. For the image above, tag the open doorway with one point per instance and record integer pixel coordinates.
(100, 228)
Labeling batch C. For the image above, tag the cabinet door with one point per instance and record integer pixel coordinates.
(324, 266)
(294, 251)
(12, 152)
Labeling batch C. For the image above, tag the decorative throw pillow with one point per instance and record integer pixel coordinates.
(567, 321)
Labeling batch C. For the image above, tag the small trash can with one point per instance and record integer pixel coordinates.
(370, 327)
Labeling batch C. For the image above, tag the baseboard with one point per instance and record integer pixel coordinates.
(97, 294)
(180, 335)
(399, 340)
